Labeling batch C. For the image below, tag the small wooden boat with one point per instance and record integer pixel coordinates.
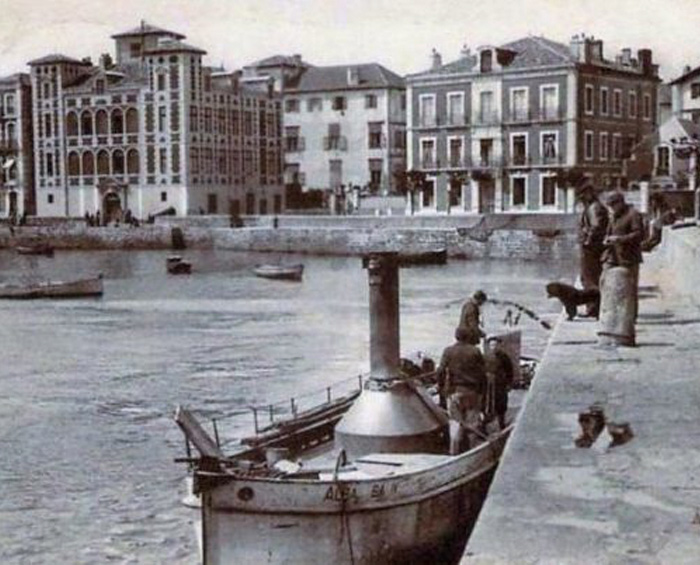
(279, 272)
(432, 257)
(54, 289)
(176, 265)
(35, 249)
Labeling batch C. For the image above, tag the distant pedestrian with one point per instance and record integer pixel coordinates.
(462, 384)
(592, 226)
(499, 370)
(98, 220)
(470, 316)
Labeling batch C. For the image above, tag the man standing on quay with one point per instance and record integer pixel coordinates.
(470, 316)
(592, 226)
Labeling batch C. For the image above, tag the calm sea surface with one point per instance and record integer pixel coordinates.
(88, 387)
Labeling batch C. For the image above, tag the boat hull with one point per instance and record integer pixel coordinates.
(72, 289)
(420, 517)
(277, 272)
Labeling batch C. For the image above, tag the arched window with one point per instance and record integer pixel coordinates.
(88, 164)
(103, 163)
(132, 162)
(86, 125)
(132, 120)
(102, 124)
(118, 162)
(73, 162)
(117, 122)
(72, 124)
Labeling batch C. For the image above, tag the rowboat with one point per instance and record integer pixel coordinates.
(54, 289)
(176, 265)
(279, 272)
(431, 257)
(364, 478)
(35, 249)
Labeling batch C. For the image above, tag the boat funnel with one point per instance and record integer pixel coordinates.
(392, 415)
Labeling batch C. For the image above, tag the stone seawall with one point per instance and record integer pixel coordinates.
(501, 237)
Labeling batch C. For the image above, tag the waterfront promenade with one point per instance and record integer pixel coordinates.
(554, 503)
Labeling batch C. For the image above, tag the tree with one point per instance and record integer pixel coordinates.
(408, 182)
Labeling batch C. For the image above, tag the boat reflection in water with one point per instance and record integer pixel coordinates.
(366, 478)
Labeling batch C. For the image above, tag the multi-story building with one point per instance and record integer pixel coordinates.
(16, 163)
(344, 126)
(507, 128)
(151, 130)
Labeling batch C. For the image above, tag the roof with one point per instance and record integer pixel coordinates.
(533, 51)
(689, 127)
(147, 29)
(280, 61)
(371, 75)
(13, 79)
(56, 58)
(174, 46)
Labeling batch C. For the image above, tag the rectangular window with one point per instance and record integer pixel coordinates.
(647, 106)
(518, 149)
(617, 102)
(335, 168)
(47, 125)
(162, 161)
(135, 50)
(161, 118)
(486, 112)
(549, 190)
(588, 145)
(663, 161)
(427, 153)
(588, 99)
(163, 196)
(519, 104)
(314, 104)
(291, 138)
(370, 100)
(375, 135)
(695, 90)
(518, 191)
(549, 101)
(617, 147)
(49, 198)
(486, 152)
(212, 204)
(339, 103)
(604, 146)
(604, 101)
(455, 108)
(333, 141)
(291, 105)
(632, 111)
(427, 110)
(549, 146)
(375, 174)
(161, 81)
(455, 156)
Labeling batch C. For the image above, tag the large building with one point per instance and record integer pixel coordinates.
(16, 163)
(344, 126)
(150, 130)
(508, 128)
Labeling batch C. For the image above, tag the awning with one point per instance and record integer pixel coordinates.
(7, 164)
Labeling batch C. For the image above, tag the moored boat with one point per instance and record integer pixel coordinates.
(279, 272)
(365, 478)
(54, 289)
(430, 257)
(176, 265)
(35, 249)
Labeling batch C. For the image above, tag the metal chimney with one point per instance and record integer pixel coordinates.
(391, 415)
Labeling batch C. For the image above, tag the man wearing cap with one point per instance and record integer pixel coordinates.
(592, 227)
(470, 316)
(462, 383)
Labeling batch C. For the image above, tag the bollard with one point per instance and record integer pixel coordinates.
(617, 307)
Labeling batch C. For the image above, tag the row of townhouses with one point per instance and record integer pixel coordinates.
(502, 128)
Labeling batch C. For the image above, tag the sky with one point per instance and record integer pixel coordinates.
(400, 34)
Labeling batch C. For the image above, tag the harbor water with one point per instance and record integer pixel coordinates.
(88, 387)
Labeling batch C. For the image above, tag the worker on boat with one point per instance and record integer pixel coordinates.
(470, 317)
(462, 384)
(499, 372)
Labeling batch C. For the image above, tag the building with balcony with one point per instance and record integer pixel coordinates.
(153, 129)
(508, 128)
(344, 126)
(16, 163)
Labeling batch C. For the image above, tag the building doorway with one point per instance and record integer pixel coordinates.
(111, 208)
(487, 196)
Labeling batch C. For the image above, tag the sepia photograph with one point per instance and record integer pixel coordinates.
(350, 282)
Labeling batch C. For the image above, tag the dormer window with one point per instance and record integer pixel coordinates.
(99, 86)
(486, 61)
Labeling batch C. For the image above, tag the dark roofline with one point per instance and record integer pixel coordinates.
(147, 29)
(690, 74)
(57, 59)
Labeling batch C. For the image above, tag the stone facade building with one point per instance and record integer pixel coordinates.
(344, 126)
(150, 130)
(16, 163)
(508, 128)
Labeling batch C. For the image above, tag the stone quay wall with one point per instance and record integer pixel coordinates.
(502, 236)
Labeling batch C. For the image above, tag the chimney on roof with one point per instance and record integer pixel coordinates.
(645, 61)
(353, 76)
(106, 62)
(465, 52)
(687, 69)
(436, 59)
(596, 47)
(296, 58)
(577, 46)
(87, 60)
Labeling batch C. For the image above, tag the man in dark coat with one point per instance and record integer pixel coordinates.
(470, 316)
(592, 227)
(462, 384)
(623, 242)
(499, 369)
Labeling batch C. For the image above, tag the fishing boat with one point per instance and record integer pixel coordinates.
(54, 289)
(176, 265)
(35, 249)
(363, 479)
(430, 257)
(279, 272)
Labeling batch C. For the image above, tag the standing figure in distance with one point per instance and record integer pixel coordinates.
(462, 384)
(470, 316)
(499, 369)
(592, 227)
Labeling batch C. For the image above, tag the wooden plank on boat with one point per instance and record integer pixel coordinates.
(195, 433)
